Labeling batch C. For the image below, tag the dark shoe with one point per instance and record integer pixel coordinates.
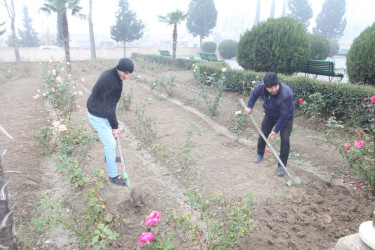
(118, 159)
(118, 180)
(280, 171)
(258, 158)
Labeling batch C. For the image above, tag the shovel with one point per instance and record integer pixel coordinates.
(296, 180)
(123, 162)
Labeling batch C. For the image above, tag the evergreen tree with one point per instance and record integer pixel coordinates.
(257, 14)
(127, 27)
(202, 18)
(301, 11)
(2, 31)
(329, 23)
(28, 36)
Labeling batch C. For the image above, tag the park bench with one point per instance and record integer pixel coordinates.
(343, 52)
(208, 56)
(164, 53)
(321, 67)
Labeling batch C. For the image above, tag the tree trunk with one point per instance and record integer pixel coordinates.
(12, 16)
(124, 49)
(66, 39)
(91, 30)
(200, 41)
(8, 239)
(174, 45)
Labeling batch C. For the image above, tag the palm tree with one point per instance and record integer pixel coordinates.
(62, 6)
(174, 18)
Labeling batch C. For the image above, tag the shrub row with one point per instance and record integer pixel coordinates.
(181, 63)
(345, 101)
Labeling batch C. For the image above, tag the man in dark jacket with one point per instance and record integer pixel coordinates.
(101, 106)
(278, 104)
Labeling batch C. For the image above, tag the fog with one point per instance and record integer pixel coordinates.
(234, 17)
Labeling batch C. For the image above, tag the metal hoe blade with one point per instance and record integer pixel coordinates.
(296, 180)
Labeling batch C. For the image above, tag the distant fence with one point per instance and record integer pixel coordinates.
(81, 54)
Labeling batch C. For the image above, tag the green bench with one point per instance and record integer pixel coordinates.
(343, 52)
(320, 67)
(164, 53)
(208, 56)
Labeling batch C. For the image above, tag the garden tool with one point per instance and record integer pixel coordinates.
(296, 180)
(123, 162)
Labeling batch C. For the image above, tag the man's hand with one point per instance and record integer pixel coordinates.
(115, 132)
(272, 135)
(248, 111)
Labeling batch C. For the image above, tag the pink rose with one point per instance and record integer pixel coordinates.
(359, 144)
(310, 96)
(373, 99)
(347, 146)
(146, 237)
(300, 100)
(153, 219)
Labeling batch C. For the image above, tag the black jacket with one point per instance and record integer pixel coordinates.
(105, 95)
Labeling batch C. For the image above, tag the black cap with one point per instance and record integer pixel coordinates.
(125, 65)
(270, 79)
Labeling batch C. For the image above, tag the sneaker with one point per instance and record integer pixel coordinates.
(280, 171)
(118, 159)
(118, 180)
(258, 158)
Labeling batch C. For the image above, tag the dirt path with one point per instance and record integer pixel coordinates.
(313, 215)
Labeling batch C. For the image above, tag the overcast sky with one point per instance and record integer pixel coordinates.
(234, 16)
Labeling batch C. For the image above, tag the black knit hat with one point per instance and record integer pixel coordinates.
(125, 65)
(270, 79)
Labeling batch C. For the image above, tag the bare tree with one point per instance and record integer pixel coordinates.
(9, 5)
(91, 32)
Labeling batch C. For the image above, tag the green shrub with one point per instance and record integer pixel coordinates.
(209, 47)
(280, 45)
(227, 49)
(181, 63)
(333, 48)
(319, 47)
(360, 63)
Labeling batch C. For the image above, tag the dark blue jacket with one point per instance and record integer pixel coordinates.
(280, 106)
(105, 95)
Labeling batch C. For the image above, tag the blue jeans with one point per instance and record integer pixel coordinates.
(101, 125)
(267, 126)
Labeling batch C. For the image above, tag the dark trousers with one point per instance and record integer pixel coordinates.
(267, 125)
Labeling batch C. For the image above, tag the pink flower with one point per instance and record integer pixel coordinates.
(310, 96)
(52, 89)
(373, 99)
(223, 70)
(82, 80)
(62, 128)
(58, 79)
(80, 93)
(359, 144)
(347, 146)
(300, 100)
(36, 97)
(146, 237)
(153, 219)
(54, 72)
(38, 90)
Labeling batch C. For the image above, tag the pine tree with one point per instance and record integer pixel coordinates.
(127, 27)
(301, 11)
(331, 22)
(202, 18)
(28, 36)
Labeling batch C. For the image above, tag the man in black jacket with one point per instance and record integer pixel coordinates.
(101, 106)
(278, 104)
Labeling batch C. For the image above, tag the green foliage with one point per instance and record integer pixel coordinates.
(127, 27)
(186, 159)
(312, 107)
(360, 61)
(44, 137)
(331, 22)
(209, 47)
(319, 47)
(181, 63)
(257, 14)
(224, 221)
(333, 48)
(227, 49)
(202, 18)
(211, 91)
(145, 124)
(166, 85)
(240, 122)
(301, 11)
(28, 36)
(125, 101)
(280, 45)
